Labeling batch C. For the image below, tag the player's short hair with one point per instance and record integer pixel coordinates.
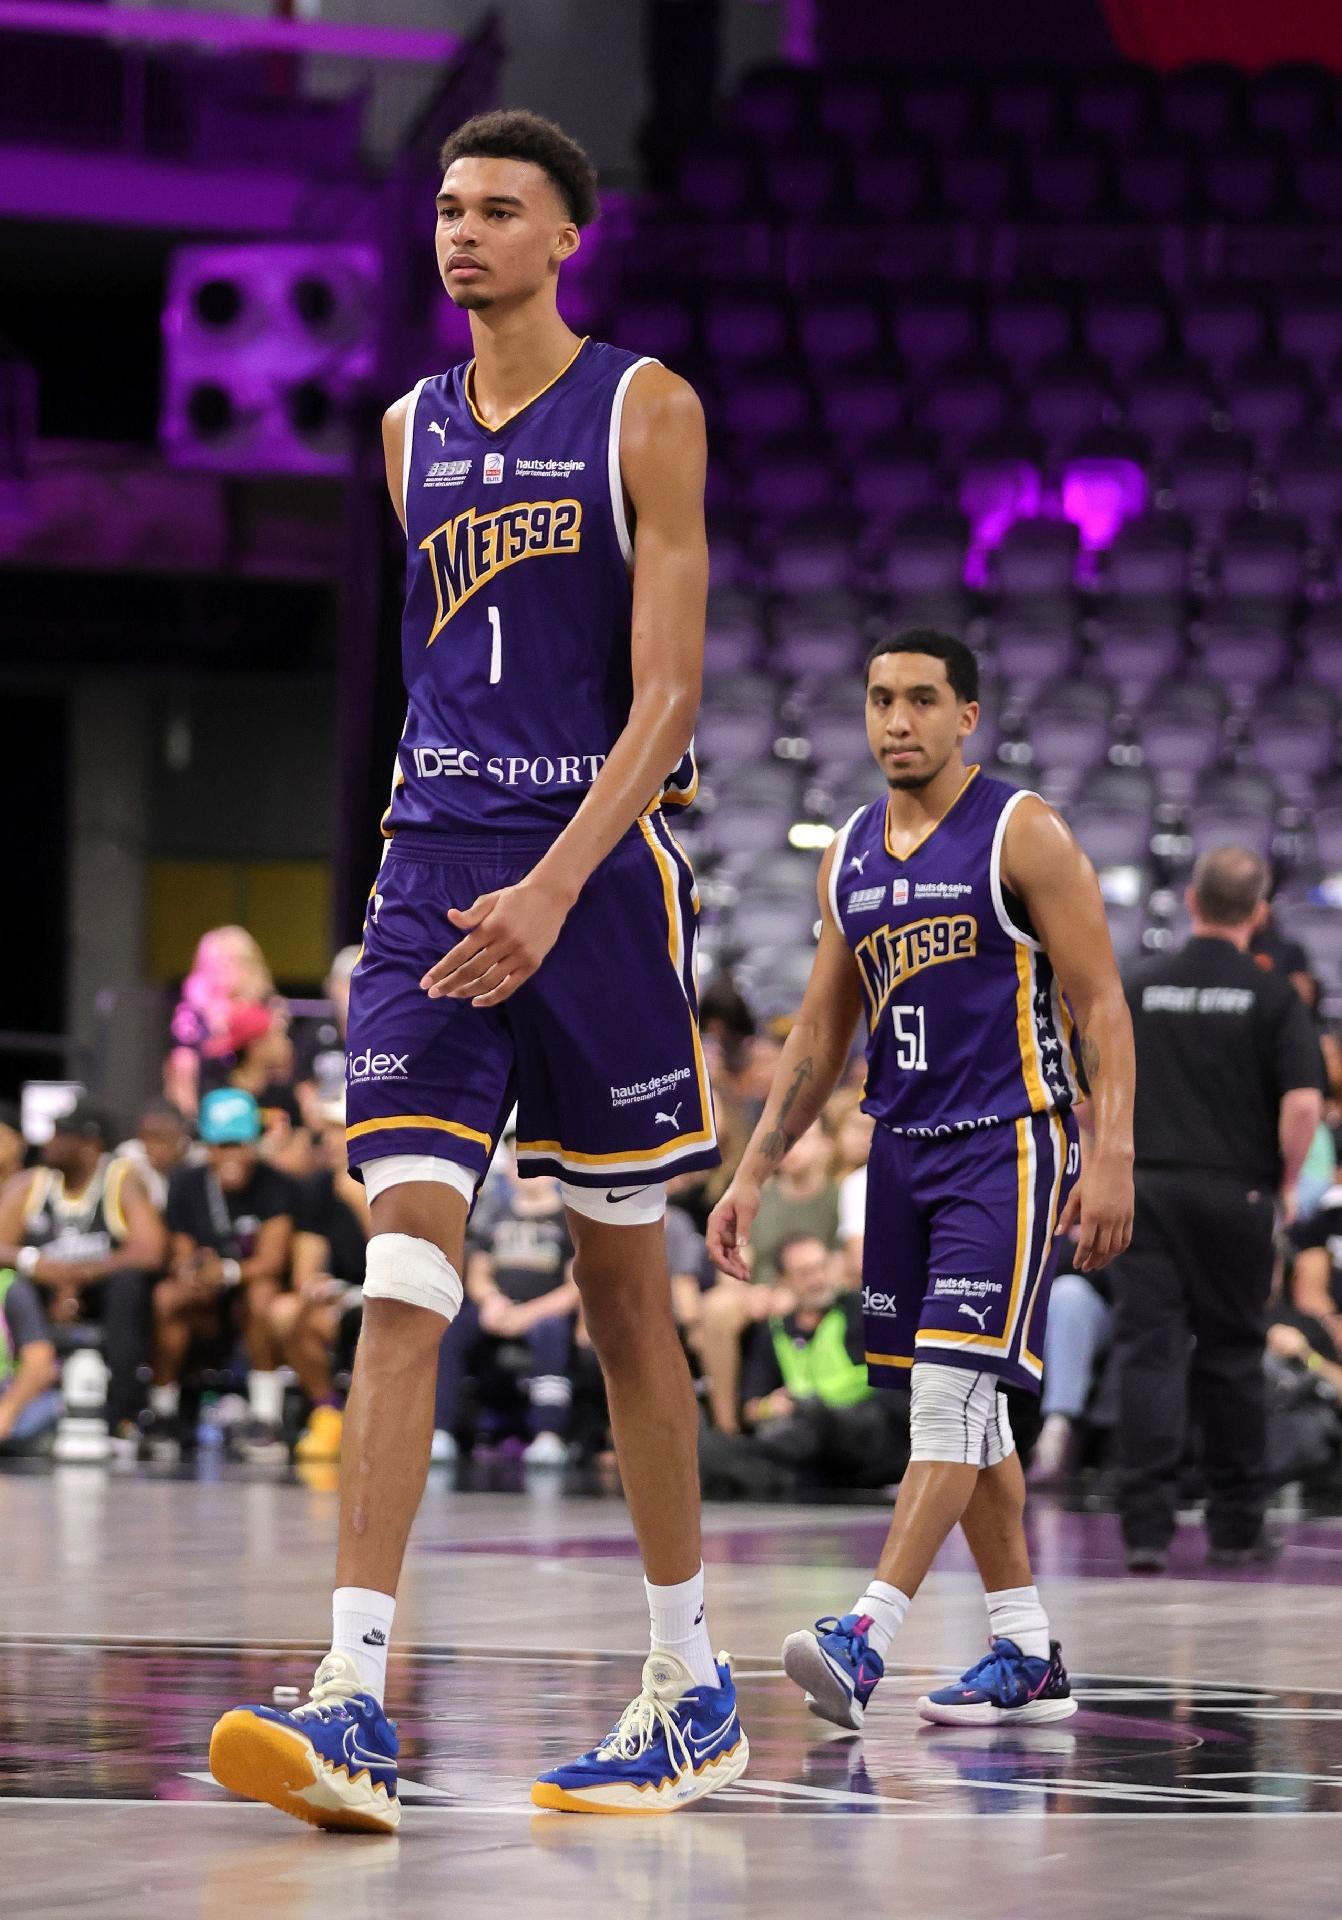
(514, 133)
(962, 668)
(1228, 884)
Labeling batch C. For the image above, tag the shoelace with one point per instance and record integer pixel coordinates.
(831, 1624)
(325, 1697)
(991, 1666)
(637, 1726)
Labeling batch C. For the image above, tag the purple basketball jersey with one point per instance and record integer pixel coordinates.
(967, 1023)
(515, 643)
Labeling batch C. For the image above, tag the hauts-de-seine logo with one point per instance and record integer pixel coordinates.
(474, 547)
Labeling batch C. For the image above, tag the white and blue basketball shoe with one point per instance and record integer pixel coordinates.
(672, 1745)
(331, 1762)
(1003, 1688)
(836, 1668)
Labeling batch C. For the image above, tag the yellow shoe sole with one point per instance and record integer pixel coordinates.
(262, 1760)
(726, 1769)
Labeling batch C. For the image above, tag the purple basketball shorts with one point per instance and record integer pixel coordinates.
(599, 1050)
(958, 1252)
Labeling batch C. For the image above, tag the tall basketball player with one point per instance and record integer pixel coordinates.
(529, 939)
(956, 913)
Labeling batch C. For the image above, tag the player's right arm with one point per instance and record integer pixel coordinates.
(807, 1073)
(393, 451)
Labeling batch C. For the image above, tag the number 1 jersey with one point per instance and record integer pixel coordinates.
(967, 1026)
(515, 644)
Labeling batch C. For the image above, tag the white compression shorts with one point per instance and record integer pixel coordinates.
(958, 1416)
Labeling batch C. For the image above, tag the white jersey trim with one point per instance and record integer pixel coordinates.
(1004, 919)
(408, 445)
(618, 513)
(840, 845)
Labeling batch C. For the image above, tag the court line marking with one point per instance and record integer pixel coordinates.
(526, 1811)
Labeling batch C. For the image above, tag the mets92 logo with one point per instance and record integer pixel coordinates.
(467, 552)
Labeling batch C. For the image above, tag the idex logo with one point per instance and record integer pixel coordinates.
(471, 549)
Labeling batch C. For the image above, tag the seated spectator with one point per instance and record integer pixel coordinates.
(231, 1228)
(1078, 1333)
(160, 1144)
(519, 1288)
(225, 1000)
(264, 1067)
(1315, 1291)
(331, 1229)
(319, 1046)
(13, 1146)
(692, 1272)
(812, 1415)
(801, 1198)
(82, 1228)
(30, 1401)
(852, 1130)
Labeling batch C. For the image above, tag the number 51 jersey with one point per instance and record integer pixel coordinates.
(515, 644)
(967, 1026)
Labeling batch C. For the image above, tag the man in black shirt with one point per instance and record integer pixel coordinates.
(1228, 1101)
(231, 1225)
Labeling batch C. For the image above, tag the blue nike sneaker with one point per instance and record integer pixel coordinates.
(1006, 1685)
(331, 1762)
(675, 1743)
(835, 1668)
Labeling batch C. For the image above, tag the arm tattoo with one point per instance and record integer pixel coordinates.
(1090, 1059)
(777, 1142)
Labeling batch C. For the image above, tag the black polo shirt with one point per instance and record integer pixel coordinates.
(1219, 1042)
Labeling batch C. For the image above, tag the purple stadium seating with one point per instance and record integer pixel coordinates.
(1309, 326)
(861, 406)
(1066, 182)
(810, 553)
(1267, 397)
(815, 635)
(892, 478)
(1068, 726)
(789, 480)
(1290, 102)
(1180, 733)
(1166, 399)
(802, 183)
(1321, 647)
(940, 109)
(1262, 556)
(964, 400)
(1115, 106)
(1241, 650)
(718, 180)
(735, 627)
(931, 329)
(1155, 180)
(1037, 557)
(764, 404)
(1309, 480)
(663, 328)
(997, 489)
(1026, 329)
(1295, 737)
(852, 108)
(1150, 556)
(891, 182)
(774, 104)
(924, 552)
(839, 331)
(1067, 397)
(1136, 644)
(1209, 475)
(1025, 106)
(1244, 181)
(979, 181)
(1110, 836)
(1224, 325)
(1201, 103)
(1031, 652)
(1318, 176)
(1100, 494)
(1122, 329)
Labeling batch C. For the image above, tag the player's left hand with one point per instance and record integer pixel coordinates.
(508, 934)
(1102, 1203)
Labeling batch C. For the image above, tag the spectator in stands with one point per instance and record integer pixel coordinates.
(82, 1228)
(802, 1199)
(520, 1291)
(1316, 1278)
(806, 1401)
(852, 1130)
(160, 1144)
(319, 1317)
(264, 1067)
(231, 1228)
(319, 1047)
(30, 1401)
(225, 1001)
(13, 1146)
(1079, 1329)
(1275, 952)
(692, 1272)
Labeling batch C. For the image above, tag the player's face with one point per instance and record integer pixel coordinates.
(164, 1141)
(233, 1166)
(915, 720)
(503, 231)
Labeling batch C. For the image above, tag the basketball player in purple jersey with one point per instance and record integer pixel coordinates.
(529, 940)
(956, 913)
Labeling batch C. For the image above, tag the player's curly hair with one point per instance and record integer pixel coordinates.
(962, 668)
(514, 133)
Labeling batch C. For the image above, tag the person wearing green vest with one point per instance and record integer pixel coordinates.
(806, 1398)
(29, 1400)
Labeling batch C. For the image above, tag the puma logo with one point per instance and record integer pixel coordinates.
(440, 428)
(975, 1313)
(377, 906)
(668, 1119)
(859, 860)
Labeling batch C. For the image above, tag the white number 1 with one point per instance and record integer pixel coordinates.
(911, 1038)
(496, 651)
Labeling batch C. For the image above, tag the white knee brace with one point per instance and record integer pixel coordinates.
(402, 1267)
(620, 1206)
(957, 1416)
(395, 1169)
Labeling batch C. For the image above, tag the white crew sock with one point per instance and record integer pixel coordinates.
(677, 1619)
(360, 1628)
(884, 1606)
(1015, 1613)
(265, 1396)
(166, 1401)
